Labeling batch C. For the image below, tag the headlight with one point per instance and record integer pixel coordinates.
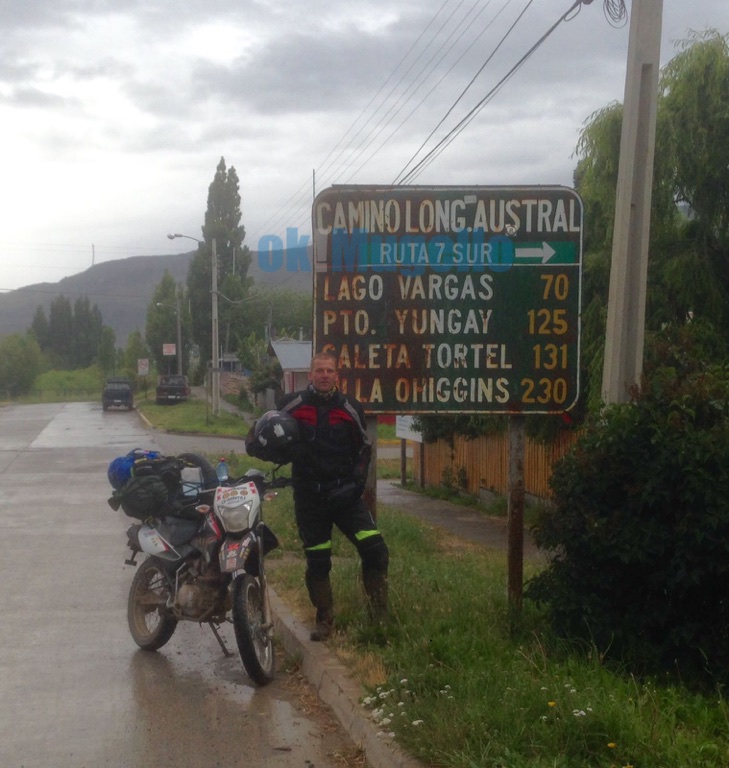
(235, 515)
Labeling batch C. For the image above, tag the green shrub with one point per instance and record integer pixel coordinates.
(639, 530)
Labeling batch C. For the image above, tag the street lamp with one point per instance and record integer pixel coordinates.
(215, 379)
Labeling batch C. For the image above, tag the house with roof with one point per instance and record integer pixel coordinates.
(294, 357)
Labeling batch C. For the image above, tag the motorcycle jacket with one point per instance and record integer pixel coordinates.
(333, 449)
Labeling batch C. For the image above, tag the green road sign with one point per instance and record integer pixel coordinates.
(451, 299)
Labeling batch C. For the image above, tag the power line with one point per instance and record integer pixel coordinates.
(387, 118)
(465, 90)
(325, 169)
(336, 163)
(454, 132)
(439, 81)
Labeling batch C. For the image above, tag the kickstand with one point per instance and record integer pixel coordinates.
(227, 653)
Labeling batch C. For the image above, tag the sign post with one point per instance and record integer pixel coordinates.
(453, 300)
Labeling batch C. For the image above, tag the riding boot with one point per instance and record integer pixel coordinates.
(320, 594)
(375, 586)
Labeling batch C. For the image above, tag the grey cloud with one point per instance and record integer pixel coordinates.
(298, 73)
(36, 98)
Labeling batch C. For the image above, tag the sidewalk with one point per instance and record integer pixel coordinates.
(464, 522)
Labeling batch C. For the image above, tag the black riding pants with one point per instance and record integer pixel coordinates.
(316, 517)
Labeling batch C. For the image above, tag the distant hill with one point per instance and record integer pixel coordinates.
(122, 289)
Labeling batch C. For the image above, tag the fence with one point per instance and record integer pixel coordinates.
(483, 463)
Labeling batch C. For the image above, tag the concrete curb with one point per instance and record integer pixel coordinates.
(336, 689)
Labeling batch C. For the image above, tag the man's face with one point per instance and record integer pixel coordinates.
(323, 375)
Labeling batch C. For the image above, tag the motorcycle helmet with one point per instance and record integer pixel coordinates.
(273, 435)
(120, 470)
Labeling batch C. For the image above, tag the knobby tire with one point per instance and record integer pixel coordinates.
(150, 622)
(255, 643)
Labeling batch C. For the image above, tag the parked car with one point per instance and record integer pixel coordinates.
(172, 388)
(117, 393)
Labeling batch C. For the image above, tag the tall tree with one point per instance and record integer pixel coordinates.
(688, 273)
(106, 353)
(71, 336)
(694, 118)
(60, 335)
(20, 363)
(222, 224)
(695, 107)
(161, 325)
(39, 327)
(87, 327)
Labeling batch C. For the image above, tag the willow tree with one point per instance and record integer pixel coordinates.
(688, 272)
(694, 114)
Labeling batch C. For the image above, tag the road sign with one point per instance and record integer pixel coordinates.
(404, 429)
(451, 299)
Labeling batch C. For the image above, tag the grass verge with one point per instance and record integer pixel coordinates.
(192, 417)
(459, 680)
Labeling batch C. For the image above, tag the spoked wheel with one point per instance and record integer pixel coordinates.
(254, 639)
(150, 621)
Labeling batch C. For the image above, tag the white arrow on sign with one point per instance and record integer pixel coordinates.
(543, 253)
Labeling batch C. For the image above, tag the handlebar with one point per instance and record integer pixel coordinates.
(261, 482)
(278, 482)
(259, 479)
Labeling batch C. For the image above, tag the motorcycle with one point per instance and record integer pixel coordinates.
(208, 567)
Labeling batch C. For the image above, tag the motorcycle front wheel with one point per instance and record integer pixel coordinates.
(254, 640)
(150, 622)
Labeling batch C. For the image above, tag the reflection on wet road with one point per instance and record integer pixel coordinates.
(74, 689)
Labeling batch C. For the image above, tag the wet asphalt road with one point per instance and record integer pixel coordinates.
(75, 692)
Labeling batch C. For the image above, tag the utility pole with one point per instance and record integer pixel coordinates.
(179, 331)
(215, 365)
(625, 331)
(215, 378)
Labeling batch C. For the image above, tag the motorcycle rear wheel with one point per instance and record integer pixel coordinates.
(150, 622)
(255, 642)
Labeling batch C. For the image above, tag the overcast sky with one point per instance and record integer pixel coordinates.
(115, 113)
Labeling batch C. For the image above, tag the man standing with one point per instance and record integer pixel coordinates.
(329, 469)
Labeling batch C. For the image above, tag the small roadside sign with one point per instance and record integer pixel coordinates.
(404, 429)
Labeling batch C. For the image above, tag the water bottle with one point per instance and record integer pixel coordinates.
(222, 470)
